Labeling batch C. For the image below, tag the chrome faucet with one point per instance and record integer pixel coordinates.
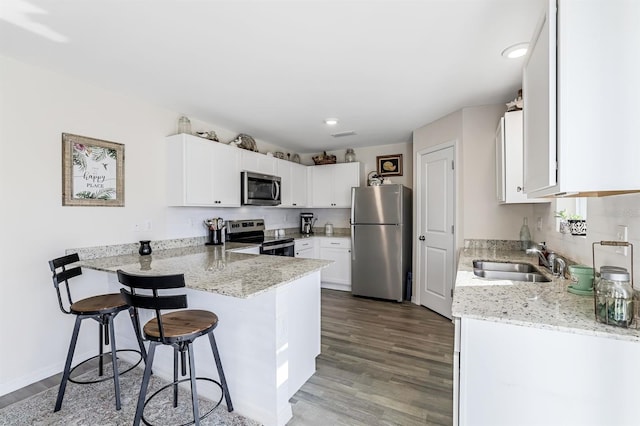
(561, 265)
(541, 256)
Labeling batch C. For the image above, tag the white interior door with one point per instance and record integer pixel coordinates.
(436, 216)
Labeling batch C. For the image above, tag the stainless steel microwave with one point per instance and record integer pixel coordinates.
(260, 190)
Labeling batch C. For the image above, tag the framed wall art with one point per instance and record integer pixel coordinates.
(92, 172)
(389, 165)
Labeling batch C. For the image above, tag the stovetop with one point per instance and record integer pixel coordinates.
(251, 231)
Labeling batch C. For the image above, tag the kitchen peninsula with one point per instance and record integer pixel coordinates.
(531, 353)
(269, 310)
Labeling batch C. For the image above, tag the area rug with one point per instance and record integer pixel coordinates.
(94, 404)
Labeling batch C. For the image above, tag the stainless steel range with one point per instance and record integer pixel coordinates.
(252, 231)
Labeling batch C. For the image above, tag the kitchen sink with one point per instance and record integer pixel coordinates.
(532, 277)
(504, 266)
(508, 271)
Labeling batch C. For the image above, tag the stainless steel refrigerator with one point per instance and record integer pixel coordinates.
(380, 241)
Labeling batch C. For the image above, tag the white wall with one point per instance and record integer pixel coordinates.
(367, 158)
(479, 215)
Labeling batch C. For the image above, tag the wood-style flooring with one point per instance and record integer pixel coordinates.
(382, 363)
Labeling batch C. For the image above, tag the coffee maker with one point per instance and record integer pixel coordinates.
(215, 226)
(306, 223)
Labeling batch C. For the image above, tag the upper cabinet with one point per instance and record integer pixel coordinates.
(509, 175)
(294, 183)
(580, 91)
(331, 184)
(257, 163)
(201, 172)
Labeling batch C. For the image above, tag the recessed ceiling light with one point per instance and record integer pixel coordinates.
(331, 121)
(515, 51)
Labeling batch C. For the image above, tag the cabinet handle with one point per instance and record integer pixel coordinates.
(519, 189)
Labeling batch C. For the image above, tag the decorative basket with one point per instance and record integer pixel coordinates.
(324, 159)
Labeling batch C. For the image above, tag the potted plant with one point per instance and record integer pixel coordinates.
(572, 224)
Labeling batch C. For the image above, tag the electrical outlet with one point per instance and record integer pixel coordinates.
(622, 234)
(539, 224)
(147, 225)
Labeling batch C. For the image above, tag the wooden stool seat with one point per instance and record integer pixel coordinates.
(182, 325)
(101, 308)
(101, 304)
(178, 329)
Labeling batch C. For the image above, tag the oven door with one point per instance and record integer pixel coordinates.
(278, 248)
(260, 190)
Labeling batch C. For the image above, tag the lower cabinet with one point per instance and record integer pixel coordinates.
(306, 248)
(336, 276)
(507, 374)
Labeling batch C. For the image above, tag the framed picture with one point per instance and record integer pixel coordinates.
(92, 172)
(389, 165)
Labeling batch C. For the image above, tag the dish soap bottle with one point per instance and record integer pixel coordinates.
(525, 235)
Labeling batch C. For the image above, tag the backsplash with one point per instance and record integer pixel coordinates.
(604, 214)
(492, 244)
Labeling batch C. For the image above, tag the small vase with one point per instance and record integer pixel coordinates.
(145, 248)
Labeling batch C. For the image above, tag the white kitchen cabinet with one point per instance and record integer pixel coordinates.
(527, 376)
(331, 184)
(294, 183)
(201, 172)
(306, 248)
(509, 175)
(257, 163)
(580, 111)
(336, 276)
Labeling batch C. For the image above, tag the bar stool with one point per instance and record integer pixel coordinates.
(102, 308)
(178, 329)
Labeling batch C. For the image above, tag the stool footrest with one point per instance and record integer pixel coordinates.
(165, 387)
(104, 378)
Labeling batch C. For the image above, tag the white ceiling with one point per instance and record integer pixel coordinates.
(277, 69)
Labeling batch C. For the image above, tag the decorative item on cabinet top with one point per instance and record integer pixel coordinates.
(373, 179)
(324, 158)
(211, 135)
(516, 104)
(245, 142)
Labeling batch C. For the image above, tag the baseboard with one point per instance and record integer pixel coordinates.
(334, 286)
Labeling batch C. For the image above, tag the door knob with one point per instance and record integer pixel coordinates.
(421, 238)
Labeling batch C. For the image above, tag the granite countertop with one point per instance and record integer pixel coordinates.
(542, 305)
(215, 269)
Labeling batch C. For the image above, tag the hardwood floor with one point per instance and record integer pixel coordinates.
(382, 363)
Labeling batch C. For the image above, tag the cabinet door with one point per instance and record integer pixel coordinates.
(198, 169)
(322, 186)
(298, 185)
(338, 272)
(284, 170)
(226, 175)
(258, 163)
(500, 178)
(539, 94)
(345, 176)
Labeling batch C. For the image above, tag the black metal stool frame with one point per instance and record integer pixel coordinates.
(104, 317)
(181, 343)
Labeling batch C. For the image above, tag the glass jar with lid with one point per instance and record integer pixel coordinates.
(349, 156)
(613, 298)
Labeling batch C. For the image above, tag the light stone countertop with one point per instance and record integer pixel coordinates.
(542, 305)
(215, 269)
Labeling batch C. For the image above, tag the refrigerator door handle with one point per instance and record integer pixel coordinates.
(353, 242)
(353, 211)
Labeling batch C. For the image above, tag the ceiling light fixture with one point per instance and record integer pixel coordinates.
(331, 121)
(515, 51)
